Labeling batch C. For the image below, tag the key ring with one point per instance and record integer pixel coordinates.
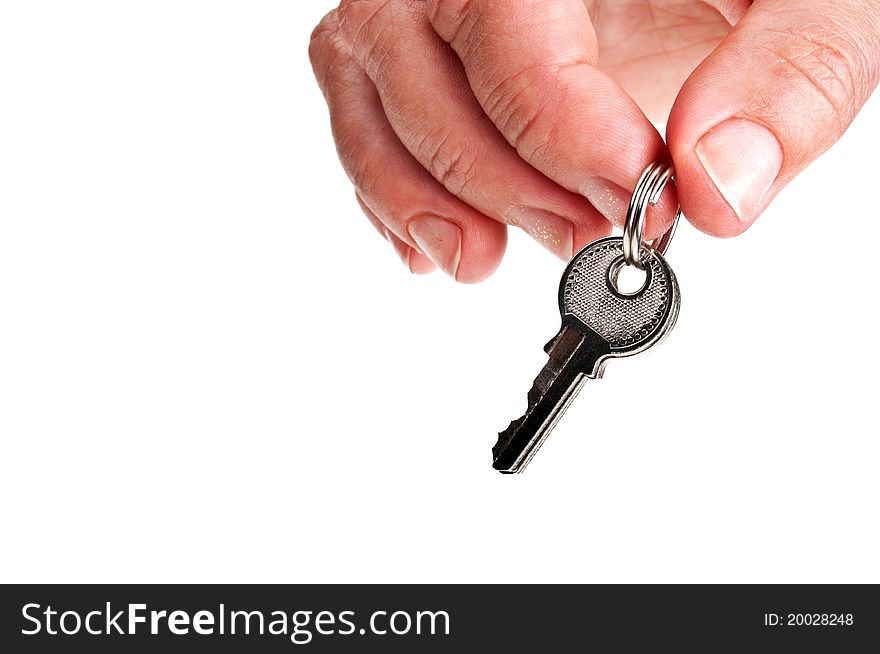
(648, 190)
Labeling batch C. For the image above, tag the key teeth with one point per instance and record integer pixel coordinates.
(532, 398)
(504, 438)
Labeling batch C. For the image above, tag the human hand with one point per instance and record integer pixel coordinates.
(456, 118)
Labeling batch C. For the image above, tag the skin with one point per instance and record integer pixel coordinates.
(458, 118)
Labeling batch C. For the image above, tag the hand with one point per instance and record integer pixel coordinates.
(455, 118)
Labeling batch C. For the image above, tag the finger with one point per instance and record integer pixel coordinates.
(776, 93)
(428, 102)
(416, 261)
(532, 66)
(409, 202)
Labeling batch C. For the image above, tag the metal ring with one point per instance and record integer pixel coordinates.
(648, 191)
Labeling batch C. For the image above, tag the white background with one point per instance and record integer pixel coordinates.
(213, 369)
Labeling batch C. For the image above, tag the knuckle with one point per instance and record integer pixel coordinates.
(365, 172)
(450, 160)
(832, 65)
(448, 16)
(517, 107)
(326, 28)
(324, 42)
(510, 103)
(360, 20)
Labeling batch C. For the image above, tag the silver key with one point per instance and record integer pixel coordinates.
(598, 322)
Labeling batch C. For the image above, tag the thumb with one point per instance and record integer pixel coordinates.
(777, 92)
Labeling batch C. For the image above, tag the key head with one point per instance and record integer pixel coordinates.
(629, 322)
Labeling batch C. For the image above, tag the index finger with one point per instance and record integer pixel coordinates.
(532, 66)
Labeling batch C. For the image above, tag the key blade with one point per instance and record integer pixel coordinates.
(526, 435)
(573, 357)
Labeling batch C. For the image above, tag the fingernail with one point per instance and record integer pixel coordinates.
(550, 230)
(440, 240)
(609, 198)
(743, 159)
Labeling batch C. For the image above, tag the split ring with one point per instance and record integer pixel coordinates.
(647, 192)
